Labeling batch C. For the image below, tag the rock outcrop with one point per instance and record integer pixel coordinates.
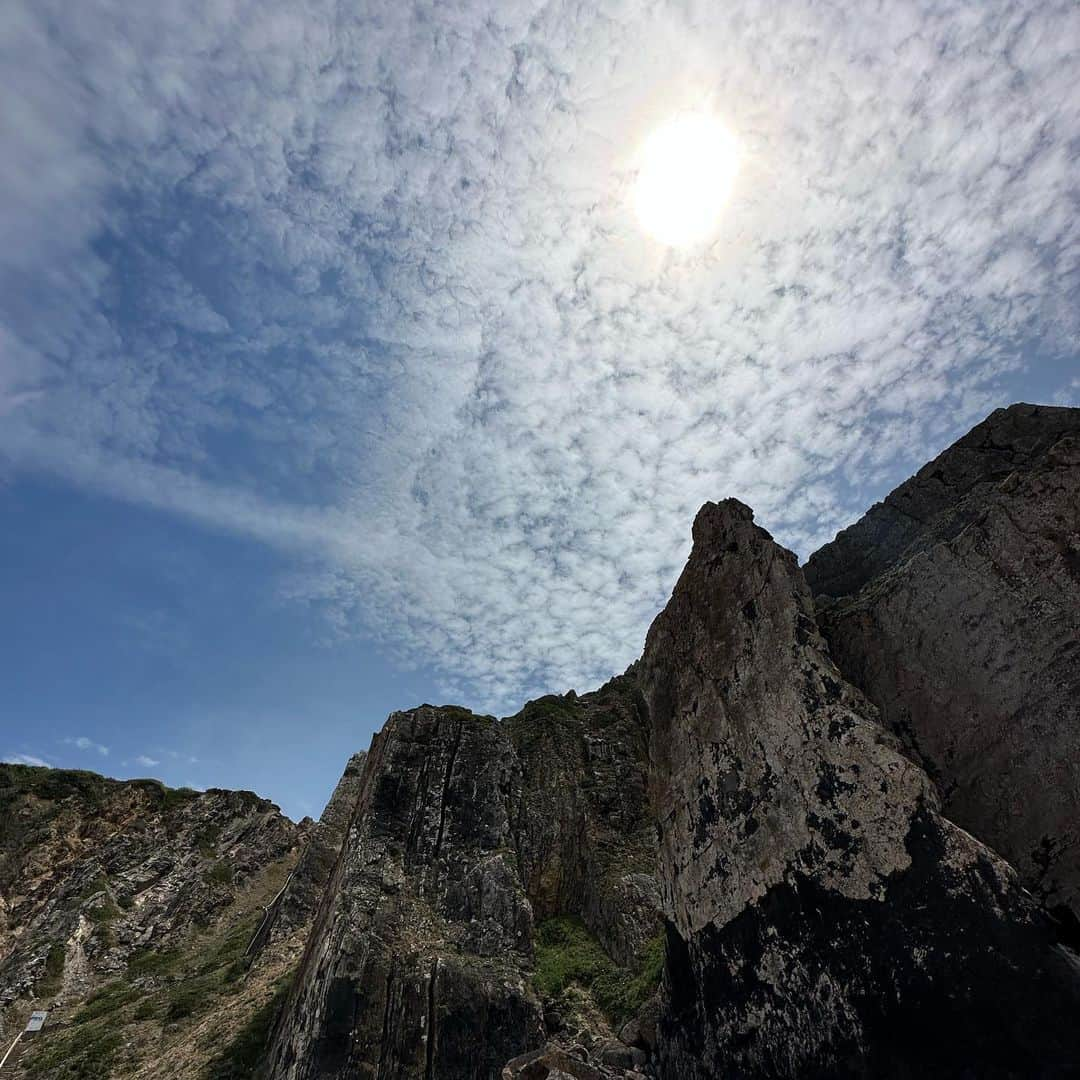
(955, 605)
(125, 909)
(468, 833)
(298, 901)
(823, 918)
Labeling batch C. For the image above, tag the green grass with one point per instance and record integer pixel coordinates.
(190, 997)
(240, 1060)
(568, 955)
(109, 999)
(87, 1052)
(154, 962)
(218, 873)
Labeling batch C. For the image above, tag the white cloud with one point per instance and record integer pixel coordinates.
(81, 742)
(391, 256)
(146, 761)
(26, 759)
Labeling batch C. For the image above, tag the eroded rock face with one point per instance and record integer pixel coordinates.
(955, 605)
(583, 830)
(299, 900)
(95, 869)
(416, 963)
(125, 911)
(823, 918)
(465, 833)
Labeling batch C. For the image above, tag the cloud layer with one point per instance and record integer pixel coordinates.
(366, 285)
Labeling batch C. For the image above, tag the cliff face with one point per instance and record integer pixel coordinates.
(955, 605)
(125, 909)
(737, 859)
(824, 919)
(484, 860)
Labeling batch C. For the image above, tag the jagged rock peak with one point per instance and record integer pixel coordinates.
(823, 918)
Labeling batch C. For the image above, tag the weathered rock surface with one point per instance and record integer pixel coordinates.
(823, 918)
(467, 831)
(416, 965)
(125, 909)
(297, 903)
(955, 605)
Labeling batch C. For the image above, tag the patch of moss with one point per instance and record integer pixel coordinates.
(567, 955)
(52, 979)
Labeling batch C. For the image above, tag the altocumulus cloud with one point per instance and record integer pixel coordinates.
(383, 254)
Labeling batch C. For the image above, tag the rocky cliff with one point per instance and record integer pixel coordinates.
(495, 894)
(780, 845)
(823, 918)
(126, 909)
(955, 605)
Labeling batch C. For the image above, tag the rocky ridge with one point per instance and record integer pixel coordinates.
(126, 909)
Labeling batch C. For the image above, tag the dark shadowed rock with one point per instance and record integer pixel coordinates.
(466, 831)
(955, 605)
(583, 831)
(823, 918)
(416, 966)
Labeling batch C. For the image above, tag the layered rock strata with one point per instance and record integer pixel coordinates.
(467, 832)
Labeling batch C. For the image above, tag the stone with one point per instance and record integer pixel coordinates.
(465, 832)
(955, 605)
(822, 917)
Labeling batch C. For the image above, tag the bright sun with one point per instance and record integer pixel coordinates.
(688, 167)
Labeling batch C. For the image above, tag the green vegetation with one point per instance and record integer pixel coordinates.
(154, 962)
(189, 997)
(241, 1059)
(109, 999)
(104, 912)
(54, 971)
(568, 955)
(83, 1052)
(218, 873)
(207, 839)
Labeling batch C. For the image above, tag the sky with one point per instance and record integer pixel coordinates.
(337, 373)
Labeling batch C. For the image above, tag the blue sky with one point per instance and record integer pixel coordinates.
(336, 374)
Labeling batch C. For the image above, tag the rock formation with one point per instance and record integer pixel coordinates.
(955, 605)
(823, 918)
(467, 833)
(771, 834)
(125, 909)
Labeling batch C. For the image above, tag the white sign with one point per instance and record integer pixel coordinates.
(37, 1020)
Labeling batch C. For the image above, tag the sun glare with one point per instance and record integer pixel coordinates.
(687, 170)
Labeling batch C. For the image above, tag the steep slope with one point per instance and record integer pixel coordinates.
(955, 605)
(125, 909)
(495, 890)
(823, 918)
